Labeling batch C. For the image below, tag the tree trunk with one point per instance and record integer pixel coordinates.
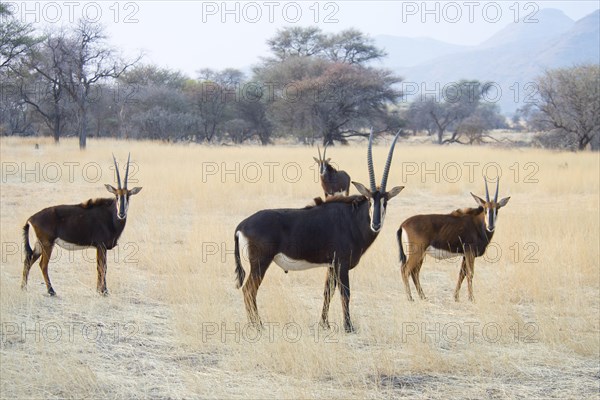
(583, 142)
(82, 130)
(56, 133)
(56, 124)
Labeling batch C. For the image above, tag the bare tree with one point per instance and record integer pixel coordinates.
(569, 101)
(41, 82)
(446, 112)
(89, 61)
(213, 96)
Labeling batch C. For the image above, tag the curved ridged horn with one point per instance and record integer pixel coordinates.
(319, 150)
(497, 187)
(324, 152)
(117, 170)
(370, 164)
(388, 163)
(487, 193)
(126, 171)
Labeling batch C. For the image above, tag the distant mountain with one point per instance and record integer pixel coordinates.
(513, 57)
(580, 44)
(408, 52)
(550, 22)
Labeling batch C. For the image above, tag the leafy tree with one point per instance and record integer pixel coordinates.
(146, 89)
(252, 121)
(16, 38)
(152, 75)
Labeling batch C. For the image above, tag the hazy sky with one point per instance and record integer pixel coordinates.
(189, 35)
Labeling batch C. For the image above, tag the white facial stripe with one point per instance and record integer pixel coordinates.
(122, 199)
(290, 264)
(491, 215)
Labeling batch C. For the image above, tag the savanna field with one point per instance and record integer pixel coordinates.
(174, 325)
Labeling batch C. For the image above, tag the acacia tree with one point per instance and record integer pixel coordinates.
(569, 102)
(322, 83)
(351, 47)
(345, 99)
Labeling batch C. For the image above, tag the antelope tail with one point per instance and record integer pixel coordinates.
(239, 270)
(28, 250)
(402, 254)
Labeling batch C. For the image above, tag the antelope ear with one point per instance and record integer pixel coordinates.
(394, 192)
(503, 202)
(362, 189)
(111, 189)
(316, 160)
(479, 200)
(327, 161)
(133, 191)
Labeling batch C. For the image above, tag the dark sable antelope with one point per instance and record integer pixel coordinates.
(333, 234)
(465, 232)
(333, 182)
(95, 223)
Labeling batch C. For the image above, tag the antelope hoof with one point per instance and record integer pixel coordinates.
(51, 292)
(349, 328)
(258, 326)
(324, 324)
(103, 292)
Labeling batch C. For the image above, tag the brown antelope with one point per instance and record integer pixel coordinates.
(94, 223)
(465, 232)
(333, 182)
(333, 234)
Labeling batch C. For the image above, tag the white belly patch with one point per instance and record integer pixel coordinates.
(439, 254)
(70, 246)
(290, 264)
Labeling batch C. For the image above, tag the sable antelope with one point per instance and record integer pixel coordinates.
(333, 181)
(333, 234)
(95, 223)
(465, 232)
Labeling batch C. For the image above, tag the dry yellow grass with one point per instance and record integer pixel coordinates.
(174, 324)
